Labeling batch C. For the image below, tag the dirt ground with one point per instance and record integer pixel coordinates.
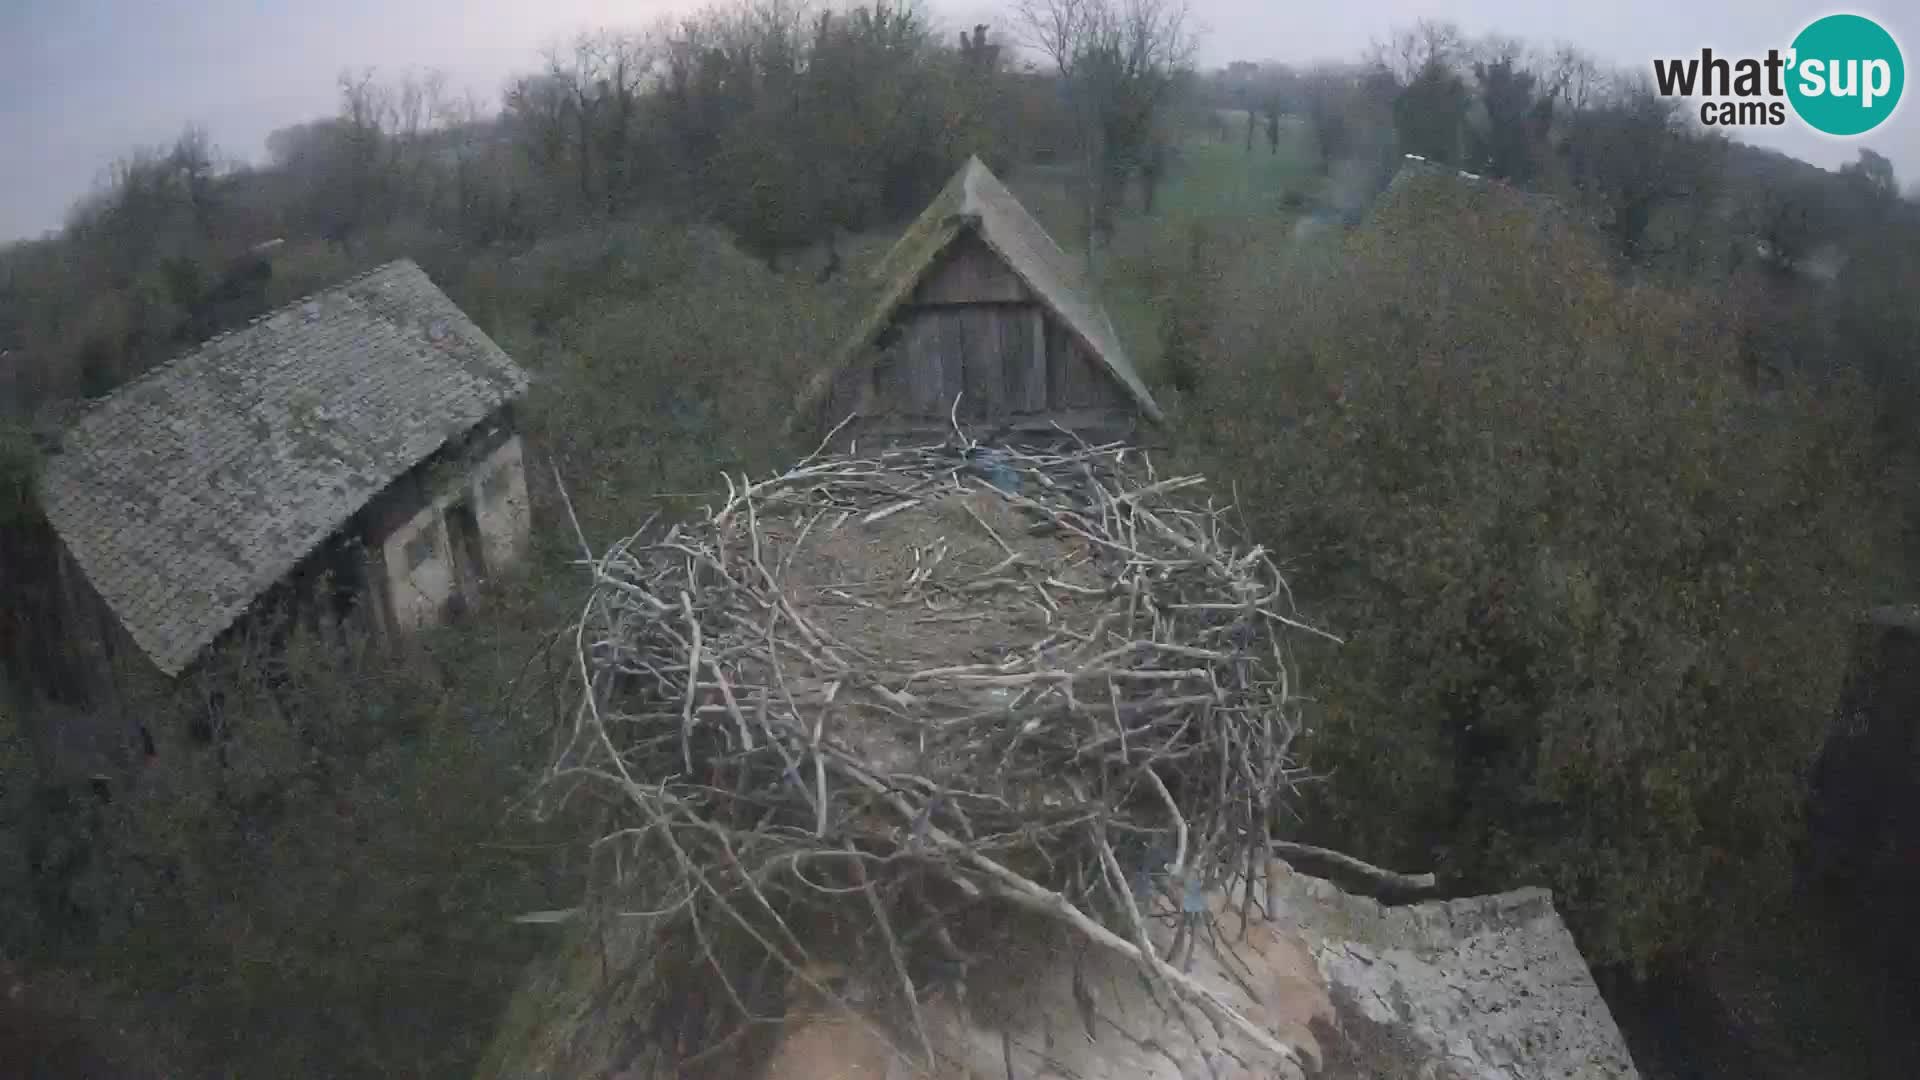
(854, 581)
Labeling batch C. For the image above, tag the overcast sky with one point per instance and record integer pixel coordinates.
(82, 81)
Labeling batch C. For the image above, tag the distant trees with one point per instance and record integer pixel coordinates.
(1424, 62)
(1871, 175)
(1121, 62)
(381, 157)
(143, 251)
(155, 202)
(1551, 119)
(1409, 51)
(786, 129)
(1633, 155)
(583, 110)
(1265, 91)
(1430, 113)
(1519, 118)
(1346, 108)
(1876, 322)
(1430, 64)
(1598, 593)
(781, 124)
(1573, 661)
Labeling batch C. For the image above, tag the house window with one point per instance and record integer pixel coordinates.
(419, 550)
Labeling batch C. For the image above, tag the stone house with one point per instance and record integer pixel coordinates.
(978, 316)
(352, 451)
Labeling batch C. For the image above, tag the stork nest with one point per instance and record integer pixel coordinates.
(881, 690)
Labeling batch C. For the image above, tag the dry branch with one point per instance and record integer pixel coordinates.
(1391, 879)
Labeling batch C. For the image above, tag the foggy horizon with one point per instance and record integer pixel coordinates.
(83, 84)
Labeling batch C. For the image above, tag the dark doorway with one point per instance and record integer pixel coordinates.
(469, 558)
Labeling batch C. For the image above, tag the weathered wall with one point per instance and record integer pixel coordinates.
(970, 273)
(499, 493)
(59, 642)
(418, 555)
(419, 568)
(1480, 988)
(972, 330)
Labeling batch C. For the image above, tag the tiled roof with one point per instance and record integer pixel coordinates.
(188, 492)
(976, 199)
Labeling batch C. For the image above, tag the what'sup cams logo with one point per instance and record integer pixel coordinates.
(1842, 75)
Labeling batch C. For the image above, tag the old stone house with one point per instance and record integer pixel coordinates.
(978, 316)
(355, 450)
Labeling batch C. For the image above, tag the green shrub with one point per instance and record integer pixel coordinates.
(316, 874)
(19, 465)
(1597, 592)
(655, 390)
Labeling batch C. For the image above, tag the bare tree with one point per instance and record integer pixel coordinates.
(1409, 50)
(535, 115)
(584, 107)
(1573, 78)
(575, 75)
(1121, 62)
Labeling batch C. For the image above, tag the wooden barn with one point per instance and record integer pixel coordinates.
(355, 450)
(978, 316)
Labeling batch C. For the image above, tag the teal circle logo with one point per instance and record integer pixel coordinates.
(1846, 74)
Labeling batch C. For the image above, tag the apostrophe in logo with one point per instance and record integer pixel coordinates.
(1842, 75)
(1846, 74)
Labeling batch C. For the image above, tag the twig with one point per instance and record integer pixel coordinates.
(1391, 878)
(893, 952)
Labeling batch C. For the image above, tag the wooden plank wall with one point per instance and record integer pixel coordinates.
(972, 329)
(1004, 359)
(970, 273)
(1075, 380)
(1023, 369)
(979, 352)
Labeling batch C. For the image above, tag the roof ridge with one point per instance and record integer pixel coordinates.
(343, 283)
(390, 264)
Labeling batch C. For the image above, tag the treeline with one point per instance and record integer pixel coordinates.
(1597, 588)
(1817, 260)
(784, 124)
(1598, 459)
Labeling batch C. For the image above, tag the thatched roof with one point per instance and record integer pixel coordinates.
(187, 493)
(976, 201)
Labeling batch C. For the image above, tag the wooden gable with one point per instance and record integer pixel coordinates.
(970, 272)
(972, 329)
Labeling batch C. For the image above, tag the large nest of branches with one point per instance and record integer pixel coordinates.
(876, 693)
